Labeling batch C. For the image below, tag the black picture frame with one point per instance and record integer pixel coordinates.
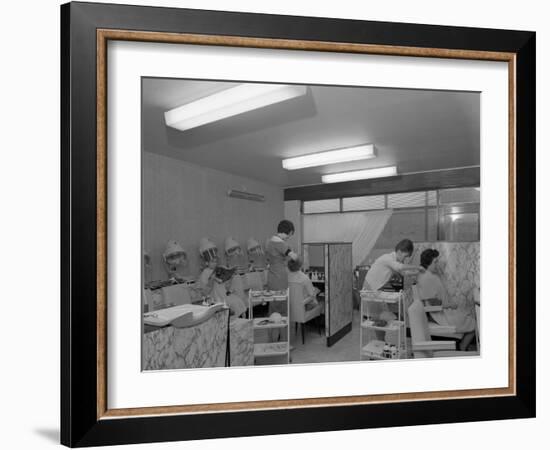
(80, 421)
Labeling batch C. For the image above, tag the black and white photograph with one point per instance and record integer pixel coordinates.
(275, 225)
(307, 224)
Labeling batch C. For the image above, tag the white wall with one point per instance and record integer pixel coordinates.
(361, 228)
(29, 178)
(185, 202)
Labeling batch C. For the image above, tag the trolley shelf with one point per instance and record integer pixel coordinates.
(259, 326)
(392, 326)
(259, 300)
(257, 297)
(380, 296)
(374, 349)
(279, 348)
(271, 349)
(373, 306)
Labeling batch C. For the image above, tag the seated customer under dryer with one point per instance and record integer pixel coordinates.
(221, 292)
(209, 255)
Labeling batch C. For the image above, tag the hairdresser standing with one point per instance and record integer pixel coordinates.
(278, 253)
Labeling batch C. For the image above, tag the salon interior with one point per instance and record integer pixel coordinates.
(292, 224)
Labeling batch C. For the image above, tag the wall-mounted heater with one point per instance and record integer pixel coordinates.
(245, 195)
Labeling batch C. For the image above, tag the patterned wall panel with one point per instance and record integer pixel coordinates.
(241, 342)
(340, 282)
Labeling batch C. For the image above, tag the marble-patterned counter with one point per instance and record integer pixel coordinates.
(202, 345)
(241, 342)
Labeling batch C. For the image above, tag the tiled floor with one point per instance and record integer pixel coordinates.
(315, 349)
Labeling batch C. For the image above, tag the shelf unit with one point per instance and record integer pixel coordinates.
(280, 348)
(376, 339)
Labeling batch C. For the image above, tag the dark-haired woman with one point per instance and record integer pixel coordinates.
(278, 252)
(430, 286)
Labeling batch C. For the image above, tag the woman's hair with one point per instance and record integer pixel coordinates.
(405, 246)
(428, 256)
(285, 226)
(223, 273)
(294, 265)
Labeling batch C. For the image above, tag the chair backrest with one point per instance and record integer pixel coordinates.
(296, 301)
(418, 323)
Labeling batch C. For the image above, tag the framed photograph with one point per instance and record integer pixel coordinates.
(279, 224)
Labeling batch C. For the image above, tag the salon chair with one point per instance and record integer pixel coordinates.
(298, 312)
(422, 344)
(442, 331)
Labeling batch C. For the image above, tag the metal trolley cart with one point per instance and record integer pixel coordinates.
(382, 331)
(282, 346)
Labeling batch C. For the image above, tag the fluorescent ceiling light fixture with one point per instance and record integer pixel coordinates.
(356, 153)
(379, 172)
(230, 102)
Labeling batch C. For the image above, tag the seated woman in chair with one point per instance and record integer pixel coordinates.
(430, 287)
(302, 296)
(295, 275)
(221, 291)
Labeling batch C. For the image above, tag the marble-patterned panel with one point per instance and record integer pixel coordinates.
(241, 342)
(340, 302)
(459, 264)
(203, 345)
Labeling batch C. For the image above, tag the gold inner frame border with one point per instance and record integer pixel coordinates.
(105, 35)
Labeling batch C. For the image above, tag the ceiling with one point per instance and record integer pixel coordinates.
(417, 130)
